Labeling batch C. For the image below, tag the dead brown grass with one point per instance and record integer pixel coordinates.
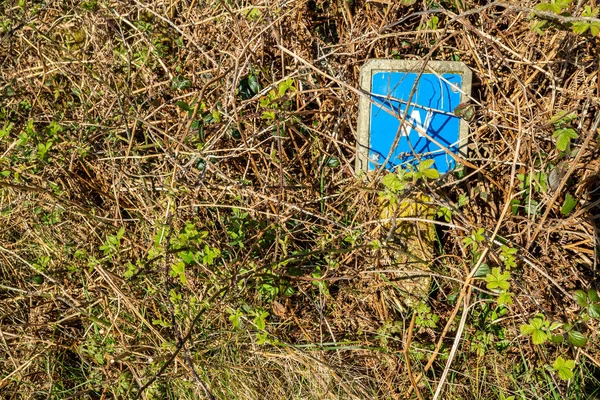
(118, 78)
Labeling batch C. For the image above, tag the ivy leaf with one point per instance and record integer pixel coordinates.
(564, 368)
(577, 339)
(568, 205)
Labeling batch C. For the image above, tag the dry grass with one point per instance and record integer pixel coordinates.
(152, 127)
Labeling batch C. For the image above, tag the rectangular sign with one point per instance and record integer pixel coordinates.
(410, 115)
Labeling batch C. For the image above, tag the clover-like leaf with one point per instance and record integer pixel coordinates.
(505, 298)
(539, 337)
(498, 280)
(537, 329)
(392, 182)
(564, 368)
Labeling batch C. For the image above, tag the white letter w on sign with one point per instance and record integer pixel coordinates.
(414, 122)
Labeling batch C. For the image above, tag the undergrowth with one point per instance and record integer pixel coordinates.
(181, 217)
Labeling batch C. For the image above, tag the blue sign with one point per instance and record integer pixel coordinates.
(429, 116)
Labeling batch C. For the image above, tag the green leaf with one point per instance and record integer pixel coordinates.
(580, 28)
(568, 205)
(392, 182)
(161, 322)
(260, 321)
(178, 270)
(268, 115)
(333, 162)
(188, 257)
(264, 102)
(482, 271)
(180, 83)
(253, 14)
(514, 206)
(580, 298)
(563, 3)
(563, 137)
(431, 173)
(555, 326)
(539, 337)
(505, 298)
(465, 110)
(564, 368)
(284, 87)
(183, 105)
(577, 339)
(253, 84)
(426, 164)
(542, 7)
(537, 329)
(527, 329)
(557, 339)
(531, 206)
(588, 12)
(497, 280)
(538, 26)
(447, 214)
(433, 22)
(593, 295)
(594, 310)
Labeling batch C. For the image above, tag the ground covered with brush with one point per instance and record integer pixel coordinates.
(181, 217)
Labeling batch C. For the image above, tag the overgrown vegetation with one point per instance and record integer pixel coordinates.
(182, 219)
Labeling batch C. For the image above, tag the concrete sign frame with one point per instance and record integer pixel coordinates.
(442, 86)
